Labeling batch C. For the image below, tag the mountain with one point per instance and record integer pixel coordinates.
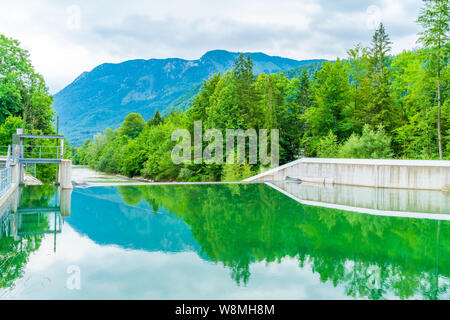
(310, 68)
(102, 97)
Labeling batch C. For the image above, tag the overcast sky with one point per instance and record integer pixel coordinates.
(66, 38)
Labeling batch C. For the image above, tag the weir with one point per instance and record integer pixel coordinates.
(397, 174)
(23, 154)
(19, 154)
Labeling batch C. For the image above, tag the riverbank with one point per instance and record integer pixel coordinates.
(30, 180)
(83, 175)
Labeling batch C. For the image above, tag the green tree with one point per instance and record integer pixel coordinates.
(413, 93)
(358, 61)
(202, 102)
(434, 18)
(328, 146)
(8, 128)
(133, 125)
(370, 145)
(80, 156)
(246, 94)
(156, 119)
(379, 108)
(332, 97)
(304, 99)
(23, 92)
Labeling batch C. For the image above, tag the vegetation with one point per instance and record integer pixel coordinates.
(434, 19)
(369, 105)
(24, 100)
(16, 245)
(23, 92)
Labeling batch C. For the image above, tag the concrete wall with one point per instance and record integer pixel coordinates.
(65, 202)
(16, 173)
(10, 197)
(384, 199)
(65, 174)
(402, 174)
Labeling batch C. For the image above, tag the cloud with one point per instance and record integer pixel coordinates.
(66, 38)
(111, 272)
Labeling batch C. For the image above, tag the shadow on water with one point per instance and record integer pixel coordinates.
(235, 226)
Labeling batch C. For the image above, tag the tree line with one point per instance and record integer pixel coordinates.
(25, 102)
(369, 105)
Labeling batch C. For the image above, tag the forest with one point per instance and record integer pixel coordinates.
(370, 104)
(25, 102)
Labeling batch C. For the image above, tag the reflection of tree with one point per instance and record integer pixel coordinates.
(14, 255)
(131, 196)
(256, 223)
(37, 196)
(14, 252)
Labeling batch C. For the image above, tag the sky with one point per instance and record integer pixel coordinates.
(66, 38)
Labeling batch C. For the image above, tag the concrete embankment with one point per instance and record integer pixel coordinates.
(402, 174)
(29, 180)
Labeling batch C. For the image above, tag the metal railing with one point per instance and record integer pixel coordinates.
(37, 152)
(6, 175)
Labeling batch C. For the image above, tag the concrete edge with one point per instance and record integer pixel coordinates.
(375, 212)
(381, 162)
(274, 170)
(4, 198)
(124, 184)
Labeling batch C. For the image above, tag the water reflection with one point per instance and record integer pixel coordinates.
(243, 227)
(26, 217)
(238, 225)
(378, 199)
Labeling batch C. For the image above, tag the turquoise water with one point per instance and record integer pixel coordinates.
(212, 242)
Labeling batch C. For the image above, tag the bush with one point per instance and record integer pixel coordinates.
(185, 174)
(328, 146)
(236, 172)
(370, 145)
(8, 128)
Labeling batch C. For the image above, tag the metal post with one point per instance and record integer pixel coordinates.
(62, 149)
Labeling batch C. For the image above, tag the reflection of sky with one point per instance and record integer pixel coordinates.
(110, 272)
(102, 215)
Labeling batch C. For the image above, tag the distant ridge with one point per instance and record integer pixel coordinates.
(102, 97)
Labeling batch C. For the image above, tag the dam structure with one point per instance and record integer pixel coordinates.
(375, 173)
(401, 188)
(20, 154)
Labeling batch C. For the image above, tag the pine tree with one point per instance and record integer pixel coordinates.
(380, 104)
(247, 97)
(358, 65)
(305, 101)
(304, 98)
(155, 120)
